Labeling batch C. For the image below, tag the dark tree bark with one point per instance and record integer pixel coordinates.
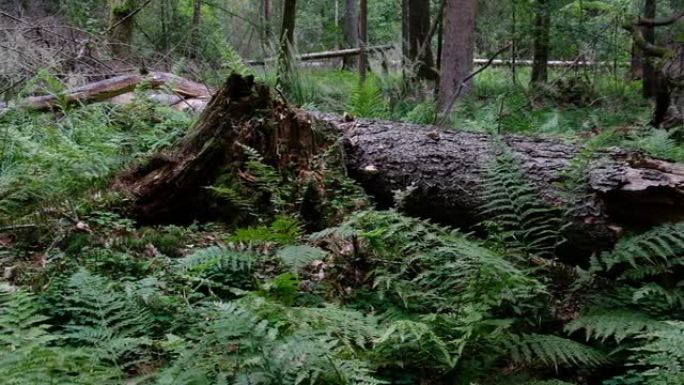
(267, 8)
(457, 52)
(442, 171)
(636, 63)
(649, 75)
(417, 45)
(363, 39)
(121, 24)
(287, 35)
(542, 42)
(195, 31)
(351, 31)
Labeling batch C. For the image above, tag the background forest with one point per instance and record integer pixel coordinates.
(254, 288)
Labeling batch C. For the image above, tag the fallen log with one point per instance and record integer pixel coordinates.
(443, 171)
(116, 86)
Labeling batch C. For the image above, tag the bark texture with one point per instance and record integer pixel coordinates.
(648, 71)
(542, 42)
(418, 50)
(172, 185)
(457, 52)
(121, 25)
(363, 39)
(287, 34)
(443, 172)
(351, 30)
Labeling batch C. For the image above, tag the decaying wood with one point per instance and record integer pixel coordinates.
(442, 171)
(120, 85)
(171, 186)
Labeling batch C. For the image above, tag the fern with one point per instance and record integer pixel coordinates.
(218, 267)
(29, 354)
(366, 101)
(553, 351)
(656, 246)
(520, 219)
(111, 322)
(662, 354)
(618, 324)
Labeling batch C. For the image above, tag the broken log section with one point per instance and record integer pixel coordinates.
(187, 91)
(444, 170)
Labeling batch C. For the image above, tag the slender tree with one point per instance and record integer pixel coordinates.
(121, 23)
(457, 52)
(649, 75)
(196, 37)
(351, 30)
(267, 9)
(287, 36)
(542, 44)
(363, 38)
(416, 33)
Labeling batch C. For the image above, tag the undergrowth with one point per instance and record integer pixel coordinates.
(376, 297)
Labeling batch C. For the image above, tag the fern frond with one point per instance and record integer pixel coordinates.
(657, 245)
(611, 323)
(553, 350)
(520, 218)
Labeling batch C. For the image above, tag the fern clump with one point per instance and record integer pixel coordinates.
(519, 218)
(31, 354)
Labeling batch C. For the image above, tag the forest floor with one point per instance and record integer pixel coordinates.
(377, 298)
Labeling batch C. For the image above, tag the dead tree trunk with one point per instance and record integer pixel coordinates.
(442, 172)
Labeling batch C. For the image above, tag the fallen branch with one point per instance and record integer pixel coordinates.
(119, 85)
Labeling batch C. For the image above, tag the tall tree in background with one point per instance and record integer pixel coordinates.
(196, 36)
(287, 36)
(542, 41)
(648, 71)
(363, 38)
(416, 34)
(267, 7)
(350, 28)
(457, 52)
(121, 23)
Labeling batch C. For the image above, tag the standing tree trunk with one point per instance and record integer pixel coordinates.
(363, 39)
(542, 31)
(287, 37)
(636, 65)
(649, 75)
(121, 26)
(195, 37)
(418, 50)
(351, 31)
(457, 53)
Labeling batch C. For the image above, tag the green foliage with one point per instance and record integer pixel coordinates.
(656, 247)
(113, 323)
(283, 231)
(554, 351)
(30, 354)
(520, 218)
(616, 323)
(366, 101)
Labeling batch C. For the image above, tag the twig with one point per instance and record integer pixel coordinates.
(446, 112)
